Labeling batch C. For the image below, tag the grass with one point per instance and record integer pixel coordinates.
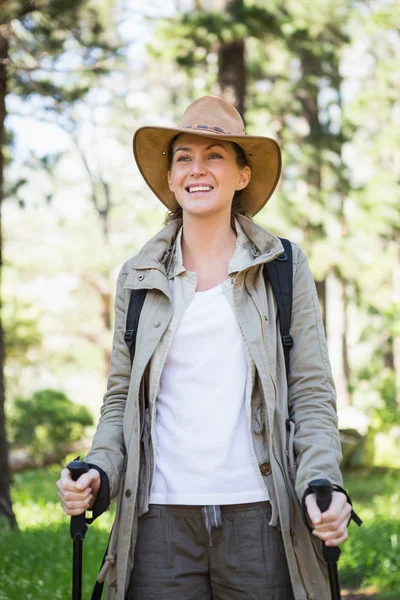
(371, 556)
(35, 562)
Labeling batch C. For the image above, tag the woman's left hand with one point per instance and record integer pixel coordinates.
(330, 526)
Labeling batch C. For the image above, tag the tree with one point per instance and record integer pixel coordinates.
(284, 62)
(375, 111)
(38, 41)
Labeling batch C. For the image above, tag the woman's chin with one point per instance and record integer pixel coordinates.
(204, 209)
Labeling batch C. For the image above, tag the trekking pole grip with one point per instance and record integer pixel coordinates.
(77, 468)
(78, 527)
(322, 489)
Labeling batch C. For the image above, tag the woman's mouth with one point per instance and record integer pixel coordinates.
(199, 189)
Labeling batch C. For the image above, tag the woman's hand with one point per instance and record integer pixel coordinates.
(78, 496)
(330, 526)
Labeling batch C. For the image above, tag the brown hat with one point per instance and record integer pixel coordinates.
(209, 116)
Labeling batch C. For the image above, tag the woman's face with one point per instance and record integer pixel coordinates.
(204, 174)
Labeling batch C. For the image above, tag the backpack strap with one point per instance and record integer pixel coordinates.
(136, 302)
(279, 273)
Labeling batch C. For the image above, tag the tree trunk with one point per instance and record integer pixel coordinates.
(232, 72)
(5, 498)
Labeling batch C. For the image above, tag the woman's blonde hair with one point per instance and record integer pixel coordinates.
(238, 204)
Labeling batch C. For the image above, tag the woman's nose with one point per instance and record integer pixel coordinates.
(198, 167)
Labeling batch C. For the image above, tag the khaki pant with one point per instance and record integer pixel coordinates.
(209, 553)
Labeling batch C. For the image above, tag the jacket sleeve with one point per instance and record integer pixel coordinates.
(108, 450)
(312, 396)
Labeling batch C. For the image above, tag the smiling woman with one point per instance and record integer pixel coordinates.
(193, 435)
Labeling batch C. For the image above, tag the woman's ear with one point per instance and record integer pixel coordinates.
(169, 181)
(244, 178)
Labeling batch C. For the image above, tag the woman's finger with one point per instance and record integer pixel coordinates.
(338, 508)
(336, 540)
(332, 533)
(340, 522)
(76, 507)
(73, 496)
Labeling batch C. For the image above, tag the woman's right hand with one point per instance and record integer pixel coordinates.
(80, 495)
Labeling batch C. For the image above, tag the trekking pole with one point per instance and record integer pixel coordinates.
(78, 528)
(322, 488)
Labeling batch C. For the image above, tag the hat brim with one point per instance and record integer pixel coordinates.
(151, 145)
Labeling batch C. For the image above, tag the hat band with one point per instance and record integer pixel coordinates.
(207, 128)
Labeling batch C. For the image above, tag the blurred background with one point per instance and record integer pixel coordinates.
(77, 77)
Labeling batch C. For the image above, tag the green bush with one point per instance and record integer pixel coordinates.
(371, 556)
(47, 422)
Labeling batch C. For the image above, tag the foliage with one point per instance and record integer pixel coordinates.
(379, 371)
(46, 422)
(37, 560)
(20, 329)
(371, 556)
(304, 86)
(52, 52)
(322, 83)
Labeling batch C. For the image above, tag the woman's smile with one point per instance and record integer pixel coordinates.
(199, 189)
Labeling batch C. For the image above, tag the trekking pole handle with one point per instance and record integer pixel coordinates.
(322, 488)
(78, 527)
(77, 468)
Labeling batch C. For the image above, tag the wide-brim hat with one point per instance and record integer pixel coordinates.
(213, 117)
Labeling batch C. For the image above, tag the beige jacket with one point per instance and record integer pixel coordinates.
(123, 445)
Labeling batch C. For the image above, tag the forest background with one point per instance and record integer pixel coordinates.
(77, 78)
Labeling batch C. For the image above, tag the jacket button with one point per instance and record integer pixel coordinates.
(157, 323)
(128, 493)
(266, 468)
(141, 277)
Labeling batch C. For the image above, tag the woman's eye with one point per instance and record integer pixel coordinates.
(215, 155)
(182, 158)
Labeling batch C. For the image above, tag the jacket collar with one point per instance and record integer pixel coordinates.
(254, 245)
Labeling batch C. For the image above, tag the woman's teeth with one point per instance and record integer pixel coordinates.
(199, 188)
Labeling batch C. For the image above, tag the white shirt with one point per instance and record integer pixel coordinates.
(204, 451)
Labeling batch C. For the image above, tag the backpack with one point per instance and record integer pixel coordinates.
(278, 272)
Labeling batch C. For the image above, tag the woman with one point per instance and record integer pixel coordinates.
(193, 441)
